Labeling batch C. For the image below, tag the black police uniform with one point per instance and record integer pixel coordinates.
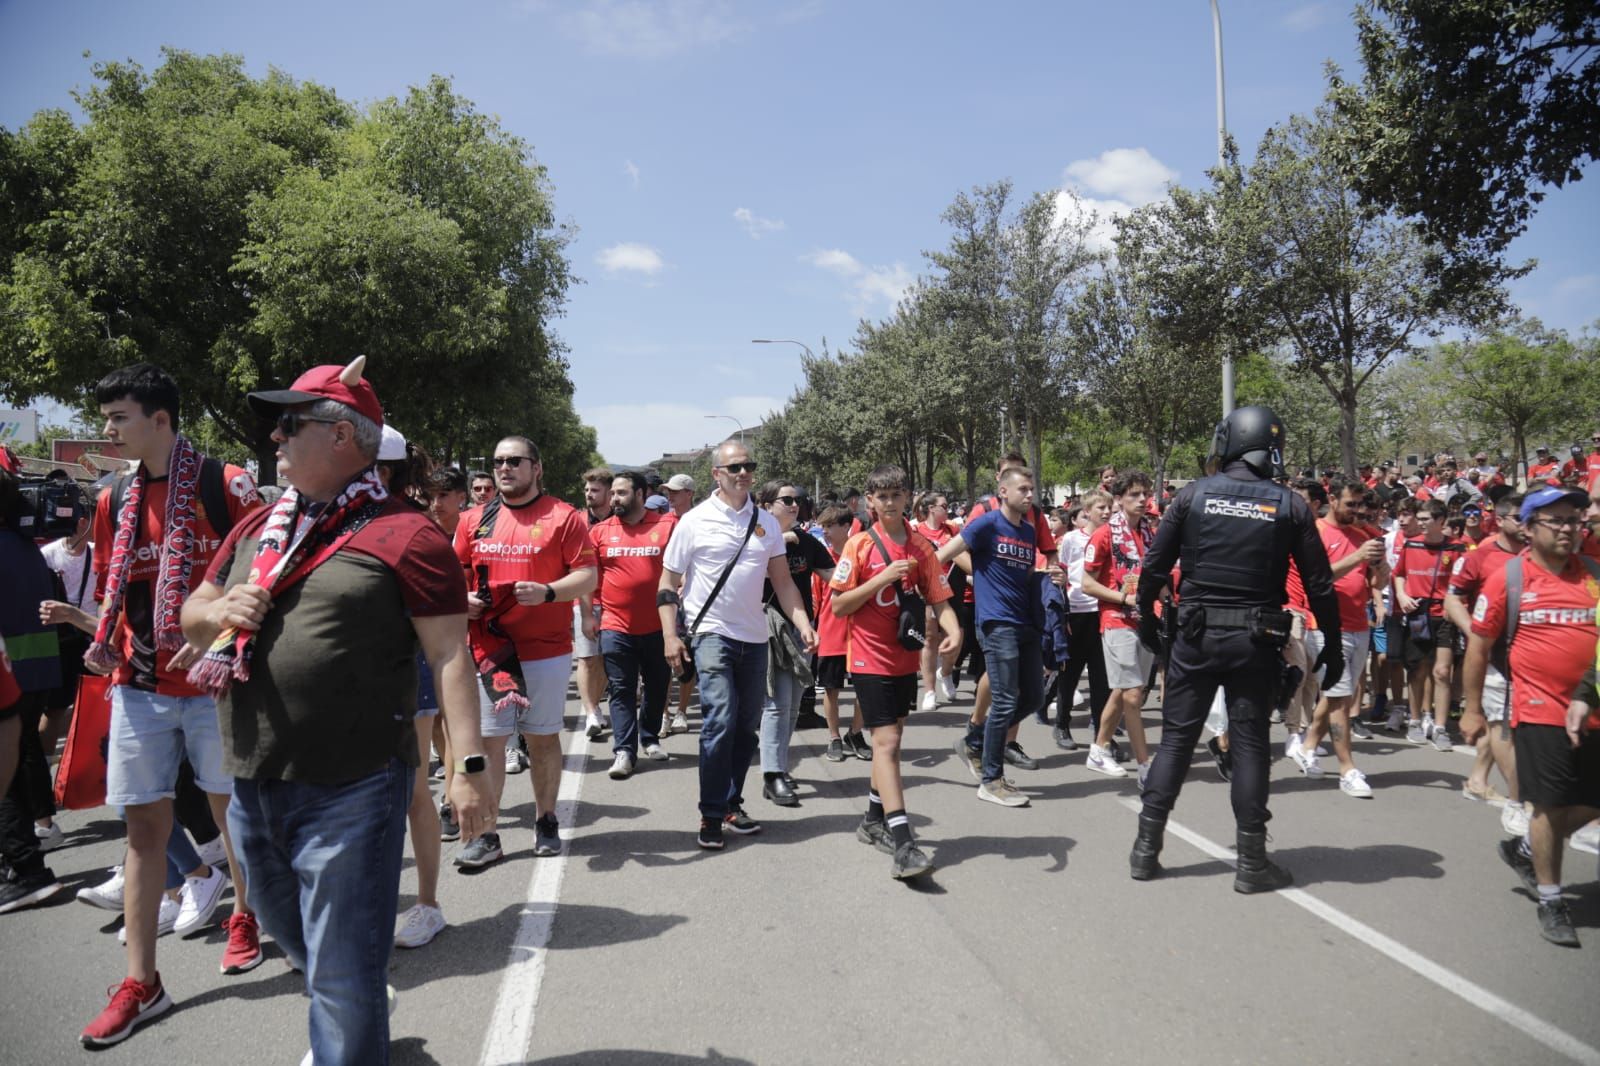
(1236, 532)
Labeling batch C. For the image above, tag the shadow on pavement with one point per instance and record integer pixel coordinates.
(411, 1051)
(636, 1057)
(1369, 865)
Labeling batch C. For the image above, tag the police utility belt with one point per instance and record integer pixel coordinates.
(1266, 625)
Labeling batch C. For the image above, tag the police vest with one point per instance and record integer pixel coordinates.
(1236, 540)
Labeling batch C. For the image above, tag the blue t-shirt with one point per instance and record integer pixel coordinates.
(1002, 568)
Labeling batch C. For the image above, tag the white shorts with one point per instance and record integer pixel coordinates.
(1496, 695)
(1128, 662)
(582, 646)
(1355, 647)
(546, 680)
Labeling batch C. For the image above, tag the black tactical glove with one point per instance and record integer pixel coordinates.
(1331, 662)
(1150, 631)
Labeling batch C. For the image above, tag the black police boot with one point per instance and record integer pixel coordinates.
(1142, 864)
(1257, 873)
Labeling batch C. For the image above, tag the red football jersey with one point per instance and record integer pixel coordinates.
(628, 571)
(542, 540)
(873, 630)
(1426, 569)
(1555, 641)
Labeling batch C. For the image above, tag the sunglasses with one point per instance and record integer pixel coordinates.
(789, 501)
(289, 422)
(739, 468)
(513, 461)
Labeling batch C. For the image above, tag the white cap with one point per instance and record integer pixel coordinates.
(392, 446)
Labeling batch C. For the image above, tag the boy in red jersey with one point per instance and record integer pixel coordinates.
(874, 566)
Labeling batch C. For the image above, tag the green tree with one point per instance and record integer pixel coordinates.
(1346, 288)
(1466, 108)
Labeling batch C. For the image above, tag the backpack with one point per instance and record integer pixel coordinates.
(213, 496)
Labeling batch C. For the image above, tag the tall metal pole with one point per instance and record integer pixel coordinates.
(1222, 161)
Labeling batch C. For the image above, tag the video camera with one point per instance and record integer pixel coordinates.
(51, 507)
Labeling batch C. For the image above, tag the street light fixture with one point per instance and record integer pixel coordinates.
(764, 340)
(1222, 161)
(735, 421)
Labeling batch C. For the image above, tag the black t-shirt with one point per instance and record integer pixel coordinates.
(806, 554)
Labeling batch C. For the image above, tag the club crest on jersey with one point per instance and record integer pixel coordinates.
(1230, 508)
(760, 532)
(842, 571)
(536, 532)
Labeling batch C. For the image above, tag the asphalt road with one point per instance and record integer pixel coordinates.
(1405, 939)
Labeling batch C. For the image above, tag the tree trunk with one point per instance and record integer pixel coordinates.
(1518, 478)
(1347, 433)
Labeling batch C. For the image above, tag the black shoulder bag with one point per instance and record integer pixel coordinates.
(687, 673)
(912, 627)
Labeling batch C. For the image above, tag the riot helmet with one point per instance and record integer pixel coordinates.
(1253, 434)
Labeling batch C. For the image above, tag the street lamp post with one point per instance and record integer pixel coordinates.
(1222, 161)
(735, 421)
(765, 340)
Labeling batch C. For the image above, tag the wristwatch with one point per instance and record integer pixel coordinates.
(549, 593)
(472, 764)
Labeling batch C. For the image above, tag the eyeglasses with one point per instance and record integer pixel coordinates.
(513, 461)
(789, 501)
(739, 468)
(289, 422)
(1557, 523)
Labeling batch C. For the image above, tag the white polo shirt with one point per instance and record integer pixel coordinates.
(702, 544)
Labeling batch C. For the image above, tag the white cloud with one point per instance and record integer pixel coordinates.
(630, 168)
(756, 226)
(630, 256)
(1131, 175)
(1109, 186)
(1305, 18)
(648, 29)
(870, 287)
(639, 433)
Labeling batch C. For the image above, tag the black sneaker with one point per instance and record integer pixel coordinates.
(875, 831)
(1117, 751)
(1555, 924)
(1015, 756)
(835, 752)
(911, 861)
(1511, 852)
(449, 829)
(480, 852)
(858, 746)
(736, 821)
(1224, 758)
(710, 834)
(24, 890)
(1063, 737)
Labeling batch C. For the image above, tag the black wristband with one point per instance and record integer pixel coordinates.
(666, 596)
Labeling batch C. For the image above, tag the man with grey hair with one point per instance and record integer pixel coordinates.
(312, 612)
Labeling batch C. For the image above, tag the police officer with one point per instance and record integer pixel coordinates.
(1235, 530)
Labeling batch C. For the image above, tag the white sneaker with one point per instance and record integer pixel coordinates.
(107, 895)
(593, 726)
(1307, 761)
(1101, 762)
(213, 852)
(655, 753)
(418, 926)
(929, 702)
(166, 918)
(1144, 771)
(1354, 783)
(50, 836)
(1587, 838)
(1514, 819)
(1397, 719)
(946, 687)
(1322, 749)
(197, 900)
(1291, 747)
(680, 722)
(1427, 727)
(621, 766)
(514, 760)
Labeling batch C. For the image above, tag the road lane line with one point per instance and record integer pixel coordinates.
(1550, 1036)
(511, 1025)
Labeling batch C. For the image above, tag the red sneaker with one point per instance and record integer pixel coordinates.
(243, 952)
(132, 1004)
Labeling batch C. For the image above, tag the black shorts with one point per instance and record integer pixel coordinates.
(830, 671)
(1414, 652)
(884, 700)
(1551, 772)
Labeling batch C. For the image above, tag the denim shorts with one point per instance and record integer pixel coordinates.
(150, 733)
(546, 680)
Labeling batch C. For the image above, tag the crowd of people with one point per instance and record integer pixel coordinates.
(411, 609)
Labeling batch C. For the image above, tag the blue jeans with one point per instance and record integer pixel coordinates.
(1016, 681)
(323, 866)
(777, 722)
(629, 657)
(733, 685)
(181, 856)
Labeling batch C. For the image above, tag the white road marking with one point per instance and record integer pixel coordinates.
(1550, 1036)
(511, 1025)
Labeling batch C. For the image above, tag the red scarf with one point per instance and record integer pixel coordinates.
(1129, 544)
(176, 560)
(291, 545)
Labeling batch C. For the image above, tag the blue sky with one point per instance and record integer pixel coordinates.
(743, 170)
